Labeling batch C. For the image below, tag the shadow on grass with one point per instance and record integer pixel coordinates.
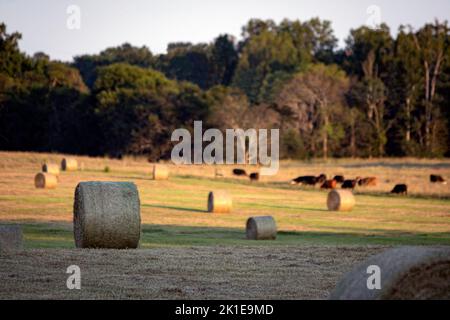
(142, 177)
(173, 208)
(261, 205)
(61, 236)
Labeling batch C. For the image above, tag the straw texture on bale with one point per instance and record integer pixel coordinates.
(10, 238)
(219, 202)
(340, 200)
(69, 164)
(160, 172)
(45, 181)
(51, 168)
(106, 215)
(261, 228)
(405, 273)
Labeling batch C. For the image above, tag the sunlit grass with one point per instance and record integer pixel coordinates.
(174, 211)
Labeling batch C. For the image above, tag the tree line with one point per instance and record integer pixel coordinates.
(378, 96)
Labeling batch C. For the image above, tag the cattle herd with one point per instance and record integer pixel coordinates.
(339, 180)
(352, 183)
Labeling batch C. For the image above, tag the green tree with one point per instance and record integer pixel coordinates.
(313, 101)
(126, 53)
(433, 46)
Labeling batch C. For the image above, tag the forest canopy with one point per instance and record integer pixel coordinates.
(380, 95)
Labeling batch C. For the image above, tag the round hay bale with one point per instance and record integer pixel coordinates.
(106, 215)
(261, 228)
(160, 172)
(69, 164)
(405, 273)
(218, 173)
(10, 238)
(340, 200)
(219, 202)
(51, 168)
(45, 180)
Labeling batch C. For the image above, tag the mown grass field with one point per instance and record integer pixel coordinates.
(174, 211)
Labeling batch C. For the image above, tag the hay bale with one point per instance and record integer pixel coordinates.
(406, 273)
(160, 172)
(10, 238)
(219, 202)
(69, 164)
(261, 228)
(51, 168)
(106, 215)
(218, 173)
(45, 181)
(340, 200)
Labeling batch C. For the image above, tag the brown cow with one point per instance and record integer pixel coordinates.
(254, 176)
(329, 184)
(369, 181)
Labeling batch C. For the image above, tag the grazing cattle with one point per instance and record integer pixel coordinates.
(350, 184)
(339, 179)
(400, 189)
(434, 178)
(329, 184)
(239, 172)
(369, 181)
(321, 178)
(306, 180)
(254, 176)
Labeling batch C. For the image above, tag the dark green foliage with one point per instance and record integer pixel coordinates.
(379, 96)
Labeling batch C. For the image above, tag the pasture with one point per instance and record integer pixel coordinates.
(209, 251)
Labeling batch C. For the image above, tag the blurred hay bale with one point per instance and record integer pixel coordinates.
(51, 168)
(406, 273)
(340, 200)
(107, 215)
(219, 202)
(261, 228)
(10, 238)
(45, 181)
(69, 164)
(160, 172)
(218, 173)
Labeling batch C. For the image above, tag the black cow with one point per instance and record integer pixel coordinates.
(339, 179)
(350, 184)
(322, 178)
(307, 180)
(254, 176)
(239, 172)
(400, 189)
(434, 178)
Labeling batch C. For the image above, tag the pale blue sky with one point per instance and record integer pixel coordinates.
(155, 23)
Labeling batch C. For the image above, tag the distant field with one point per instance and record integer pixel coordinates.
(173, 211)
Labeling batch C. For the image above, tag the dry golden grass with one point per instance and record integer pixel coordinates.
(180, 273)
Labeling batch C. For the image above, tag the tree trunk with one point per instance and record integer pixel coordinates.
(325, 138)
(408, 120)
(353, 140)
(379, 130)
